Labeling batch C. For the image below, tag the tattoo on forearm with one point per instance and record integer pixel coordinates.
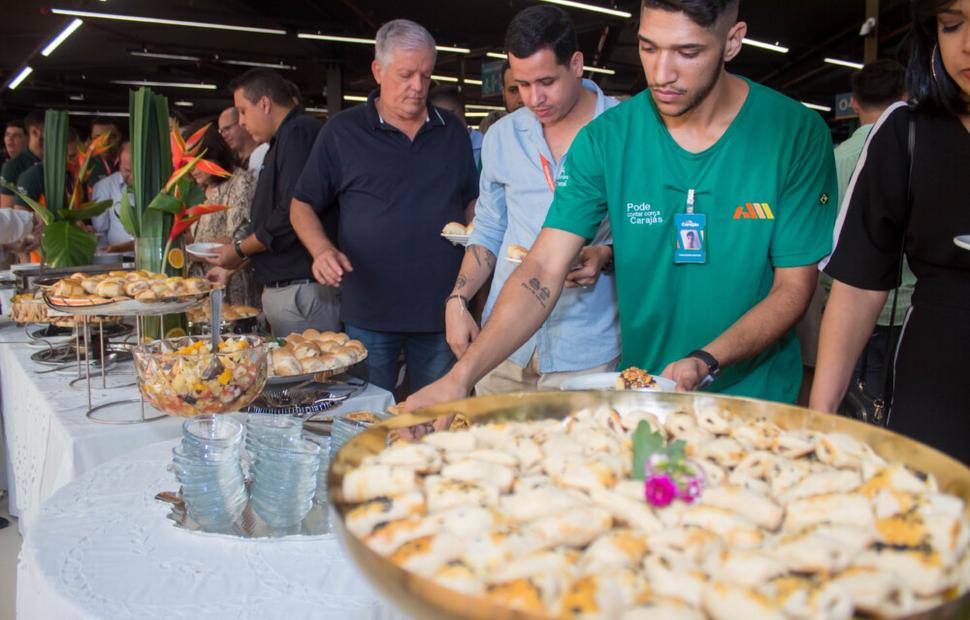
(461, 282)
(541, 293)
(478, 259)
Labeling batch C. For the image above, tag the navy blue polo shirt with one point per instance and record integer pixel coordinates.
(394, 196)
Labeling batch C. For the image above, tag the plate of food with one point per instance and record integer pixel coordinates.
(516, 253)
(313, 355)
(962, 241)
(204, 250)
(122, 293)
(653, 504)
(457, 233)
(629, 379)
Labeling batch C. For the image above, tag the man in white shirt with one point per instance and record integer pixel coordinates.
(112, 236)
(242, 144)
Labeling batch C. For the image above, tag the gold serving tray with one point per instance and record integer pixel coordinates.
(423, 598)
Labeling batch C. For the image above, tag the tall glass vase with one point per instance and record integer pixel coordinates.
(150, 256)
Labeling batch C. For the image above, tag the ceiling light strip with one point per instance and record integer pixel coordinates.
(74, 25)
(815, 106)
(591, 7)
(476, 106)
(774, 47)
(844, 63)
(164, 56)
(95, 113)
(199, 85)
(267, 65)
(167, 22)
(14, 83)
(355, 98)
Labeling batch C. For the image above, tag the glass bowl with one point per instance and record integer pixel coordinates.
(182, 377)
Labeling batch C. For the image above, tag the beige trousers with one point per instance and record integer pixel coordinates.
(510, 377)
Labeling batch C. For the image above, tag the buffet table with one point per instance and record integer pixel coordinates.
(101, 547)
(50, 442)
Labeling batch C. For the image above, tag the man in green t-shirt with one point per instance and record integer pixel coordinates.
(29, 157)
(748, 170)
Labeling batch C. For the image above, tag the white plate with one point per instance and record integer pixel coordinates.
(517, 261)
(607, 381)
(461, 240)
(962, 241)
(204, 250)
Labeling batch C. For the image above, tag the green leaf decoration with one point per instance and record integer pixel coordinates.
(126, 213)
(151, 161)
(166, 203)
(66, 245)
(90, 210)
(192, 194)
(646, 442)
(677, 451)
(38, 208)
(55, 159)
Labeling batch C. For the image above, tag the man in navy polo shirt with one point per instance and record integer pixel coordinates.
(398, 170)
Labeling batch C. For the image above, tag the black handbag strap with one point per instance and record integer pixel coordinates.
(889, 365)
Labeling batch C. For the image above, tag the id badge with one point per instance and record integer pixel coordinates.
(691, 238)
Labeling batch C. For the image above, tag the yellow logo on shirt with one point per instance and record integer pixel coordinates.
(754, 211)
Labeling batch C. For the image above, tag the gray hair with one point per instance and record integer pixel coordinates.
(401, 34)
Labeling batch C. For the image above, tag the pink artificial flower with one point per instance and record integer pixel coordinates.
(692, 491)
(660, 490)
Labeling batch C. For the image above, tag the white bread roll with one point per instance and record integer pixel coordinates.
(453, 228)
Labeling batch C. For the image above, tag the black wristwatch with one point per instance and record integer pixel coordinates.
(237, 245)
(713, 366)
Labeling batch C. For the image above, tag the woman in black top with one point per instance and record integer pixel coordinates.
(931, 401)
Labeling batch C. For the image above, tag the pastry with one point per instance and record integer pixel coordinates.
(284, 363)
(111, 287)
(635, 379)
(517, 252)
(313, 365)
(454, 228)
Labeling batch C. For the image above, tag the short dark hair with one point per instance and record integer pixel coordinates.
(447, 93)
(704, 13)
(930, 86)
(259, 83)
(213, 143)
(879, 84)
(34, 119)
(16, 124)
(540, 27)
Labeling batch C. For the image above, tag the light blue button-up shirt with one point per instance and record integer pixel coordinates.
(583, 330)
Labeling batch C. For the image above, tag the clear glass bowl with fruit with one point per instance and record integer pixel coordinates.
(184, 377)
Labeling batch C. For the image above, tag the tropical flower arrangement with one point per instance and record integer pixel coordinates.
(64, 207)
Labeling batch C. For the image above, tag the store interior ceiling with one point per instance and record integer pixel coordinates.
(121, 43)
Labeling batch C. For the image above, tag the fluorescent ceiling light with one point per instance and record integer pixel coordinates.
(96, 113)
(199, 85)
(342, 39)
(765, 46)
(444, 78)
(844, 63)
(475, 106)
(165, 56)
(815, 106)
(166, 22)
(334, 38)
(476, 114)
(316, 110)
(498, 55)
(355, 98)
(473, 82)
(76, 97)
(453, 50)
(591, 7)
(185, 104)
(268, 65)
(21, 77)
(74, 25)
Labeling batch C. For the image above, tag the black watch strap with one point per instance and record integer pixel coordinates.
(714, 366)
(237, 245)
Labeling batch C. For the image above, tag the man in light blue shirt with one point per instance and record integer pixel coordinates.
(522, 157)
(112, 236)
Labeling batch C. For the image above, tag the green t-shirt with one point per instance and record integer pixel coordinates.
(31, 183)
(12, 170)
(768, 189)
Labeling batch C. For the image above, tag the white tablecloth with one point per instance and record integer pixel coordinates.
(102, 548)
(50, 442)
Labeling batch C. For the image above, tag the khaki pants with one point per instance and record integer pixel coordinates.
(509, 377)
(301, 306)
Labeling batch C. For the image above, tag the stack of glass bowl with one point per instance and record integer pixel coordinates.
(260, 426)
(345, 428)
(324, 442)
(284, 474)
(207, 465)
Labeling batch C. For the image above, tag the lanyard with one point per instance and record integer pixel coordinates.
(547, 170)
